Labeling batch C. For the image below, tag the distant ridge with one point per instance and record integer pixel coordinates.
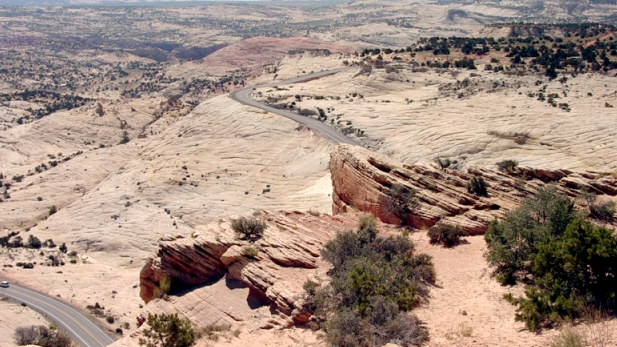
(158, 2)
(98, 2)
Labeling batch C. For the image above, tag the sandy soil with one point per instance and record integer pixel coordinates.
(15, 316)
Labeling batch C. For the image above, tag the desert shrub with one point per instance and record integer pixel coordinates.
(41, 335)
(443, 163)
(250, 252)
(401, 202)
(598, 328)
(167, 330)
(17, 242)
(313, 212)
(248, 228)
(63, 248)
(374, 282)
(602, 211)
(49, 243)
(465, 63)
(367, 222)
(566, 263)
(507, 165)
(568, 337)
(476, 185)
(110, 319)
(52, 210)
(446, 235)
(34, 242)
(211, 331)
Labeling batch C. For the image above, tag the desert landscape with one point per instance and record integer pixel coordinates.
(127, 167)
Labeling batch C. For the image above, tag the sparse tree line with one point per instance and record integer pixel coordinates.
(51, 102)
(14, 240)
(540, 54)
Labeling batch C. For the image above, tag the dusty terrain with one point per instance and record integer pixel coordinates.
(167, 152)
(14, 316)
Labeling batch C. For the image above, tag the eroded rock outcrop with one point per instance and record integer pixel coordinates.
(218, 266)
(362, 180)
(213, 277)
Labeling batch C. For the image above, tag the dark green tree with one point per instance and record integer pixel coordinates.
(571, 272)
(567, 263)
(374, 282)
(513, 242)
(34, 242)
(167, 330)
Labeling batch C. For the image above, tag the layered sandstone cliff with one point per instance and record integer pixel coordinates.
(362, 179)
(211, 277)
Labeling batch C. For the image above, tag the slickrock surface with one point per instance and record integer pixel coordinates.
(251, 55)
(237, 160)
(361, 179)
(477, 117)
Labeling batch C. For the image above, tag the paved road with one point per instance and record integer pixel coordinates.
(243, 96)
(80, 328)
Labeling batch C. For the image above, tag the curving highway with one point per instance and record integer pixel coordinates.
(80, 328)
(244, 96)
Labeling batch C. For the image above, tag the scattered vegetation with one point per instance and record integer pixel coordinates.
(476, 185)
(446, 235)
(34, 242)
(248, 228)
(43, 336)
(97, 310)
(566, 262)
(313, 212)
(507, 165)
(250, 252)
(167, 330)
(374, 282)
(568, 337)
(443, 163)
(212, 331)
(603, 211)
(401, 202)
(576, 52)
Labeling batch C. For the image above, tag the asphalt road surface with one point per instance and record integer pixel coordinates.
(243, 96)
(80, 328)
